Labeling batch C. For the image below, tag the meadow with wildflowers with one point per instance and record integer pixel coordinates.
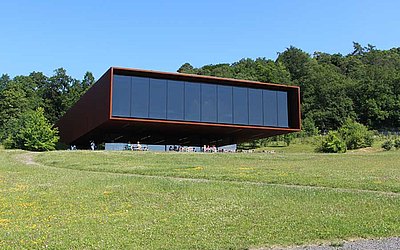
(148, 200)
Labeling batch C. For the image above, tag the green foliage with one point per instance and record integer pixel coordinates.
(325, 99)
(187, 68)
(261, 69)
(295, 60)
(387, 145)
(332, 143)
(13, 102)
(308, 127)
(288, 138)
(397, 143)
(34, 133)
(22, 94)
(363, 85)
(356, 135)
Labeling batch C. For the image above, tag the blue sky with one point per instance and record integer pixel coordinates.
(162, 35)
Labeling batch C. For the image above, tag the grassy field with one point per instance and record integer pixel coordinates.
(144, 200)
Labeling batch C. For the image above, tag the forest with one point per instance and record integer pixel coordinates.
(363, 86)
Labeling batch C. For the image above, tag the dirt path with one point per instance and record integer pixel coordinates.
(27, 158)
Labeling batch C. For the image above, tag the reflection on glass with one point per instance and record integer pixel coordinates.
(240, 106)
(140, 97)
(158, 99)
(255, 107)
(175, 106)
(282, 109)
(225, 108)
(208, 102)
(121, 96)
(192, 101)
(270, 108)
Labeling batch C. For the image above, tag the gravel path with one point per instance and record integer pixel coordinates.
(381, 244)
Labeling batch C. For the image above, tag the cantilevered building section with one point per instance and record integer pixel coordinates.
(179, 109)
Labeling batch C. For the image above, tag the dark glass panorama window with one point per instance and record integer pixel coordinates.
(141, 97)
(240, 106)
(158, 99)
(255, 107)
(270, 108)
(208, 103)
(192, 101)
(121, 97)
(176, 100)
(225, 108)
(282, 109)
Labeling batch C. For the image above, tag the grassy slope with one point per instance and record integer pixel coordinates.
(65, 208)
(372, 171)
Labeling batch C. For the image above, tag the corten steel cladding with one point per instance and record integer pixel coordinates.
(91, 117)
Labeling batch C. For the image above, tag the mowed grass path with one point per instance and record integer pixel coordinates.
(368, 171)
(59, 206)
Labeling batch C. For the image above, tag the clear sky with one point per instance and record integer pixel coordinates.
(81, 36)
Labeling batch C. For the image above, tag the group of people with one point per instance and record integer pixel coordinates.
(210, 149)
(138, 147)
(176, 148)
(181, 149)
(206, 149)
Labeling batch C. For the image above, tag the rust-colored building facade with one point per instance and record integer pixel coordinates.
(179, 109)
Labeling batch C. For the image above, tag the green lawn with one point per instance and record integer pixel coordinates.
(372, 171)
(111, 200)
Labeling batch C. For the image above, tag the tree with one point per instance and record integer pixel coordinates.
(308, 127)
(4, 80)
(56, 94)
(295, 60)
(187, 68)
(88, 81)
(35, 133)
(325, 98)
(13, 103)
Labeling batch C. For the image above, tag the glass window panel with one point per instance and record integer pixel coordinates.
(121, 96)
(270, 108)
(240, 106)
(175, 106)
(158, 99)
(192, 101)
(282, 109)
(255, 107)
(225, 109)
(208, 102)
(140, 97)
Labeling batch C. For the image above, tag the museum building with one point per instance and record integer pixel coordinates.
(129, 105)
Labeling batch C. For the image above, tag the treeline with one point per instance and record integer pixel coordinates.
(363, 85)
(34, 95)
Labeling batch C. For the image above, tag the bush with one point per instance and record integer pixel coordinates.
(356, 135)
(32, 132)
(332, 143)
(387, 145)
(397, 143)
